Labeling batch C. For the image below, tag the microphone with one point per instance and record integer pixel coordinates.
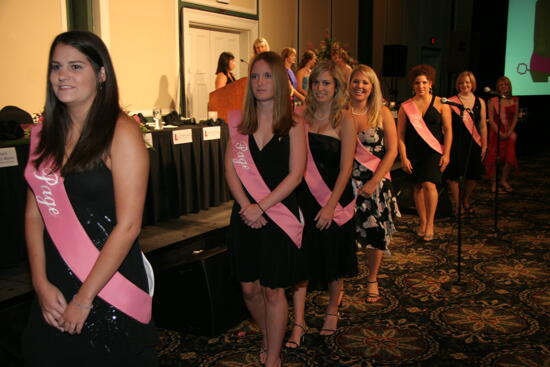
(451, 103)
(494, 93)
(246, 62)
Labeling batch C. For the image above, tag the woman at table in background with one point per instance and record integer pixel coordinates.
(224, 75)
(260, 45)
(425, 136)
(326, 196)
(264, 163)
(469, 141)
(88, 174)
(506, 118)
(376, 204)
(304, 70)
(289, 56)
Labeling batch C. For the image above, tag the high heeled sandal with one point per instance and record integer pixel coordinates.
(371, 295)
(329, 331)
(291, 343)
(263, 351)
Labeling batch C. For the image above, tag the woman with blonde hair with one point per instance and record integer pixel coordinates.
(326, 196)
(376, 151)
(264, 163)
(260, 45)
(469, 141)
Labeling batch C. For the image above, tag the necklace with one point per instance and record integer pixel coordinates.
(358, 113)
(321, 118)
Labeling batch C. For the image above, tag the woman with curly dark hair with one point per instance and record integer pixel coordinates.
(425, 136)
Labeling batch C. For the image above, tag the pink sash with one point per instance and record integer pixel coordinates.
(253, 182)
(415, 117)
(467, 119)
(367, 159)
(72, 241)
(321, 191)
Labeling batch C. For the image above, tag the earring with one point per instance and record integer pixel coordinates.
(431, 90)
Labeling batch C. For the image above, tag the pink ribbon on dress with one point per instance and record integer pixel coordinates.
(415, 117)
(254, 183)
(467, 120)
(72, 241)
(321, 192)
(367, 159)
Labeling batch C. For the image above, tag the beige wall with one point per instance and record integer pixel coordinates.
(314, 23)
(144, 47)
(344, 24)
(27, 28)
(278, 20)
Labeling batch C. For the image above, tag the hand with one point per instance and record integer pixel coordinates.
(324, 217)
(259, 223)
(368, 188)
(443, 162)
(52, 303)
(75, 315)
(250, 213)
(503, 136)
(406, 166)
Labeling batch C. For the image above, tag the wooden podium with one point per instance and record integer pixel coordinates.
(228, 98)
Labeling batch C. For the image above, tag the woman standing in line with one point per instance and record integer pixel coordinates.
(326, 195)
(88, 173)
(289, 56)
(224, 75)
(304, 70)
(425, 136)
(264, 163)
(503, 113)
(375, 154)
(469, 141)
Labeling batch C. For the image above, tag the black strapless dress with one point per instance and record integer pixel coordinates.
(331, 253)
(109, 337)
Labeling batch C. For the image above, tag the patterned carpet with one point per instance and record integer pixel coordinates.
(500, 317)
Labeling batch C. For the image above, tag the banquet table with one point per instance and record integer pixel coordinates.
(183, 178)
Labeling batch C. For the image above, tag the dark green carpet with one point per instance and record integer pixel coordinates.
(500, 317)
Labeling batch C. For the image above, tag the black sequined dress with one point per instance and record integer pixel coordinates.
(109, 337)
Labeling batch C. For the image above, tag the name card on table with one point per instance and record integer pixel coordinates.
(8, 157)
(148, 139)
(182, 136)
(211, 133)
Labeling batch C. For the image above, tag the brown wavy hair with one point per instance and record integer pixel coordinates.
(340, 98)
(423, 69)
(282, 109)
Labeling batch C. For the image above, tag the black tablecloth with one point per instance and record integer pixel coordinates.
(13, 190)
(183, 178)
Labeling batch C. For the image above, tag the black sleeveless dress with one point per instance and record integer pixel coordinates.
(466, 156)
(425, 160)
(109, 337)
(331, 253)
(267, 254)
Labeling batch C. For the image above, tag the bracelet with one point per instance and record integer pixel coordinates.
(262, 209)
(84, 307)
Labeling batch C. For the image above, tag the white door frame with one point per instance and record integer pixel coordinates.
(247, 28)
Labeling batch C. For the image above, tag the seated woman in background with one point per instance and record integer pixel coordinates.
(289, 56)
(309, 58)
(224, 75)
(260, 45)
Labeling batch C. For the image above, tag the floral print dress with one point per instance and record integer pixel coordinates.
(374, 214)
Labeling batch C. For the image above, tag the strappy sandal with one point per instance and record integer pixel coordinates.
(429, 237)
(263, 351)
(376, 296)
(329, 331)
(291, 343)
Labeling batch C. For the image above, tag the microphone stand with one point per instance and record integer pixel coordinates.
(458, 281)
